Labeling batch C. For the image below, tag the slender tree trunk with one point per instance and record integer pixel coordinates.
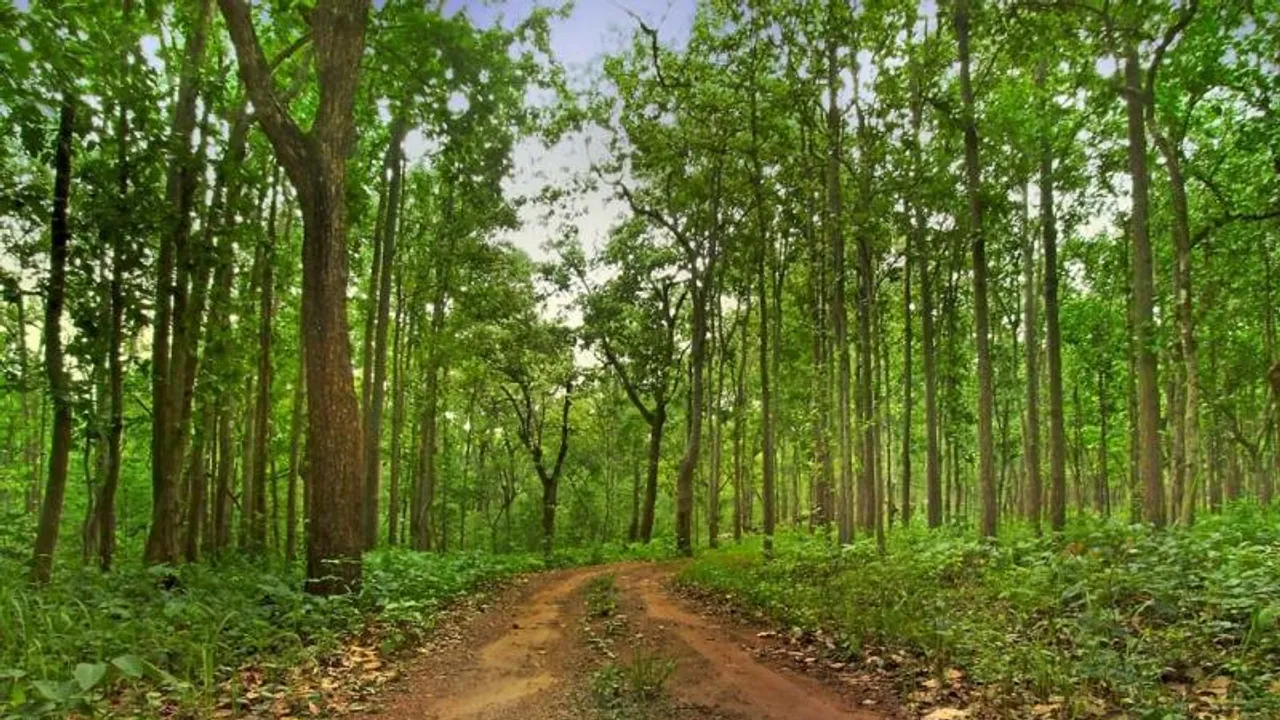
(839, 312)
(295, 463)
(373, 411)
(162, 541)
(1053, 343)
(1143, 302)
(59, 387)
(115, 368)
(1031, 344)
(768, 449)
(257, 506)
(697, 360)
(398, 364)
(928, 340)
(198, 482)
(908, 404)
(986, 392)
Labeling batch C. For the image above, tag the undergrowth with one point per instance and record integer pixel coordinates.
(174, 641)
(1154, 624)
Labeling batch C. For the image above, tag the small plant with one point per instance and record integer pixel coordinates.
(634, 689)
(647, 673)
(602, 596)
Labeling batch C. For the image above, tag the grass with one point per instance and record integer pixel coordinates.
(181, 640)
(1151, 624)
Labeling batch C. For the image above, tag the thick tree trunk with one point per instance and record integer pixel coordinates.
(973, 176)
(316, 165)
(1143, 302)
(59, 388)
(334, 541)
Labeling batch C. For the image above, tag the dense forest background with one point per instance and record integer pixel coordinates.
(866, 268)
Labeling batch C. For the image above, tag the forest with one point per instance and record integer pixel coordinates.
(918, 356)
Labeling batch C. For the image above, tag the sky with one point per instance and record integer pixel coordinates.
(593, 29)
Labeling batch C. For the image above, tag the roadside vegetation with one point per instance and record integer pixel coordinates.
(1102, 618)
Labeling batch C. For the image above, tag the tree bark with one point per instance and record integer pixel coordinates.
(181, 181)
(373, 412)
(115, 368)
(1053, 343)
(399, 364)
(59, 387)
(1031, 326)
(839, 312)
(262, 410)
(316, 164)
(1148, 389)
(977, 236)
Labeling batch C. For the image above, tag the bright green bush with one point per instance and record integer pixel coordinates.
(1117, 613)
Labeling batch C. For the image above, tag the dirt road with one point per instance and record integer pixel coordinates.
(538, 653)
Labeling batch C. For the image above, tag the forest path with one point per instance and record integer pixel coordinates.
(533, 653)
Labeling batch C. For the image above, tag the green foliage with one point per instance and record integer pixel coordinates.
(632, 689)
(1118, 613)
(182, 631)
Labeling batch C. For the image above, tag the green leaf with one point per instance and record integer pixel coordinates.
(58, 692)
(131, 665)
(89, 675)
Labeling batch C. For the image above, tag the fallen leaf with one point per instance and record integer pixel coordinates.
(947, 714)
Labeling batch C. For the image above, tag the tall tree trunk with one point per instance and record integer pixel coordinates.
(973, 176)
(59, 388)
(768, 450)
(1189, 419)
(295, 465)
(739, 427)
(399, 363)
(181, 180)
(420, 520)
(257, 508)
(689, 464)
(1053, 342)
(198, 482)
(928, 339)
(373, 411)
(316, 164)
(115, 369)
(1031, 342)
(1143, 301)
(907, 378)
(839, 313)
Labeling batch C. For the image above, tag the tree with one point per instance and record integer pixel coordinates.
(315, 162)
